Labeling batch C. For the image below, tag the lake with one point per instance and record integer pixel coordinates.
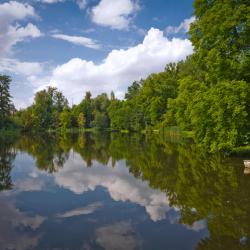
(120, 191)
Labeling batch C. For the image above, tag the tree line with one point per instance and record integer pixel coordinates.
(208, 93)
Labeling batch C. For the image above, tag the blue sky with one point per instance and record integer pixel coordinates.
(96, 45)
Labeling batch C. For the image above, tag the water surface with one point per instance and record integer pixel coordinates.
(112, 191)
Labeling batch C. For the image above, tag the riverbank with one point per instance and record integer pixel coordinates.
(171, 132)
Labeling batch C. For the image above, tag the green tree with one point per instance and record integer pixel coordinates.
(81, 121)
(66, 119)
(86, 107)
(221, 38)
(133, 90)
(220, 115)
(25, 119)
(46, 109)
(213, 93)
(5, 100)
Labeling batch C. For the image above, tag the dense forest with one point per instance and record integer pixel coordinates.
(207, 94)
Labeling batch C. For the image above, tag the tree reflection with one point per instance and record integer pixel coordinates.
(201, 186)
(50, 151)
(7, 156)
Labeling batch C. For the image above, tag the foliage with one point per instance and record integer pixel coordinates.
(206, 95)
(6, 107)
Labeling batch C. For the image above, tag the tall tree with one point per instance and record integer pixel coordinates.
(213, 97)
(47, 107)
(221, 38)
(5, 99)
(81, 121)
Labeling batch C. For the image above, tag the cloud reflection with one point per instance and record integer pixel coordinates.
(12, 219)
(81, 211)
(121, 185)
(117, 236)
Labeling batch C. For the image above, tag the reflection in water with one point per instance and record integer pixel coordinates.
(117, 236)
(115, 191)
(121, 185)
(7, 155)
(11, 219)
(80, 211)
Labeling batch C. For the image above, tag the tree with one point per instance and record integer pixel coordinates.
(133, 90)
(25, 119)
(81, 121)
(47, 107)
(112, 96)
(66, 119)
(86, 107)
(220, 116)
(115, 114)
(5, 99)
(221, 38)
(101, 120)
(213, 93)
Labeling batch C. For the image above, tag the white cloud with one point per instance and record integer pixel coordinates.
(115, 14)
(82, 4)
(18, 67)
(11, 11)
(121, 185)
(10, 34)
(121, 67)
(78, 40)
(52, 1)
(16, 34)
(182, 28)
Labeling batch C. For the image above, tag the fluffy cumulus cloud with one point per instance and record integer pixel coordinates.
(25, 68)
(11, 11)
(121, 185)
(78, 40)
(17, 34)
(11, 33)
(182, 28)
(121, 67)
(115, 14)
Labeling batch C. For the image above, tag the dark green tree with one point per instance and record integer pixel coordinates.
(5, 100)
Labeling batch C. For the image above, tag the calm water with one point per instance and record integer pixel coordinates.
(120, 192)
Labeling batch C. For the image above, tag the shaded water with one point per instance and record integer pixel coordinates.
(117, 191)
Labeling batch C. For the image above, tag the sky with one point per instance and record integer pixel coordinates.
(89, 45)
